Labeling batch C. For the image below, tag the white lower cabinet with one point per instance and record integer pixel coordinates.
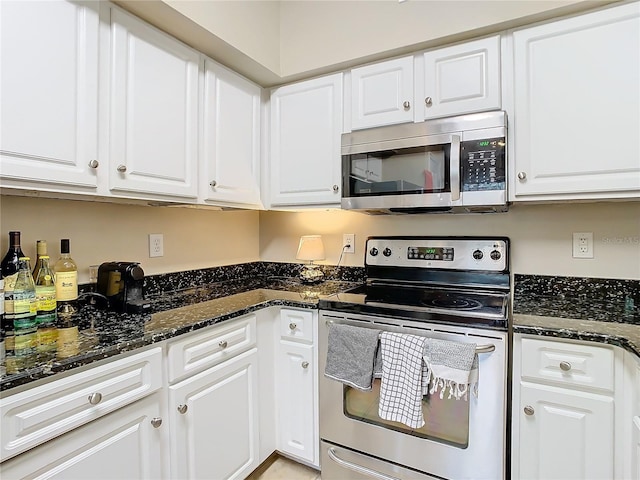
(631, 422)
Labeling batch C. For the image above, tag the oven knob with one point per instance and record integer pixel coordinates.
(373, 252)
(495, 255)
(477, 254)
(387, 252)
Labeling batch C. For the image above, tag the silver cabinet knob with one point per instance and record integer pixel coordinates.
(223, 344)
(156, 422)
(565, 366)
(122, 168)
(94, 164)
(213, 183)
(182, 408)
(95, 398)
(428, 101)
(305, 364)
(522, 175)
(528, 410)
(335, 188)
(406, 105)
(292, 326)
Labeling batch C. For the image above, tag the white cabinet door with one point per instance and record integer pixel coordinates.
(124, 444)
(564, 434)
(306, 125)
(296, 397)
(154, 111)
(382, 93)
(49, 91)
(214, 421)
(230, 173)
(462, 78)
(577, 107)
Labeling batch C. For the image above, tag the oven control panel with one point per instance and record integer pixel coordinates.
(438, 252)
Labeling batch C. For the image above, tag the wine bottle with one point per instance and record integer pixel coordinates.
(41, 249)
(9, 268)
(47, 333)
(24, 317)
(2, 354)
(66, 274)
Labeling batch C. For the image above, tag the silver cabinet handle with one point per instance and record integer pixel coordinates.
(528, 410)
(292, 326)
(522, 175)
(367, 472)
(182, 408)
(305, 364)
(428, 101)
(455, 167)
(223, 344)
(122, 168)
(213, 183)
(95, 398)
(406, 105)
(336, 188)
(94, 164)
(565, 366)
(156, 422)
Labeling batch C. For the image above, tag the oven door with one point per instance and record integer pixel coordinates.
(416, 172)
(461, 439)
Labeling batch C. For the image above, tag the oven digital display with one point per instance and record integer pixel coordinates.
(430, 253)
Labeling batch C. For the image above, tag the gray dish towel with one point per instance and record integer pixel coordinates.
(350, 355)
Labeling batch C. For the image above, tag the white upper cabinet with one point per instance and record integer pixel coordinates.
(153, 112)
(306, 125)
(577, 107)
(49, 91)
(462, 78)
(230, 173)
(382, 93)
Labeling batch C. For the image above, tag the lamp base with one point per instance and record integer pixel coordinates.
(311, 274)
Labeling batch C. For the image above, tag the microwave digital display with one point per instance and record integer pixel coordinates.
(430, 253)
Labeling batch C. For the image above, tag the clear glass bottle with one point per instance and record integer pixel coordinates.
(66, 273)
(24, 318)
(41, 249)
(47, 333)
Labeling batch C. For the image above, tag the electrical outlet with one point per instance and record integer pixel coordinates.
(156, 245)
(349, 239)
(583, 245)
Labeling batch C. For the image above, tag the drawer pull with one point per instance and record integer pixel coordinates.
(223, 344)
(182, 408)
(156, 422)
(95, 398)
(305, 364)
(122, 168)
(565, 366)
(528, 410)
(292, 326)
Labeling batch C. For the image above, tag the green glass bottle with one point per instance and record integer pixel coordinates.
(24, 316)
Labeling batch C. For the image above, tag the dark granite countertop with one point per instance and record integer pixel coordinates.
(105, 334)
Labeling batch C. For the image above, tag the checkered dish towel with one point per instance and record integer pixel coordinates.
(404, 380)
(453, 366)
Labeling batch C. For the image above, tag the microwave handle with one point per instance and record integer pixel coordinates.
(455, 167)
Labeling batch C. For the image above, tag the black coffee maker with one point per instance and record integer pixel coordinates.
(123, 285)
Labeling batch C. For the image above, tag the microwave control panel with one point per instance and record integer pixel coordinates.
(483, 164)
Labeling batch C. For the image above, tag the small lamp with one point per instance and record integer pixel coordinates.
(311, 248)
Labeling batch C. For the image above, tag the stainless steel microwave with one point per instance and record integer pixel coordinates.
(454, 164)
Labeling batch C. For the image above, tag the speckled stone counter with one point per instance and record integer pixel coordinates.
(176, 312)
(596, 310)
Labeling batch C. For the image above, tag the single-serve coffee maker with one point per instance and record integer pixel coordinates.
(123, 285)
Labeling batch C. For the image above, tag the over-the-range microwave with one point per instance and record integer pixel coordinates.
(454, 164)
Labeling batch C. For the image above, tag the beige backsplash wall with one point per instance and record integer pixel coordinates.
(102, 232)
(541, 235)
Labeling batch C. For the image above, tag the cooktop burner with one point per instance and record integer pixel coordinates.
(454, 302)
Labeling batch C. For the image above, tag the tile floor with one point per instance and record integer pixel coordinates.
(285, 469)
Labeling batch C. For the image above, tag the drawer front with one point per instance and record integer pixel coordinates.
(570, 364)
(211, 346)
(34, 416)
(296, 325)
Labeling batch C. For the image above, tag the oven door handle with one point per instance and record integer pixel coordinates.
(358, 468)
(454, 162)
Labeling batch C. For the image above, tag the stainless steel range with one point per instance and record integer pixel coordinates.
(445, 288)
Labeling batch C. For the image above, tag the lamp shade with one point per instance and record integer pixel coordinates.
(310, 248)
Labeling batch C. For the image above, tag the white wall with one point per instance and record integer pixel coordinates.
(541, 235)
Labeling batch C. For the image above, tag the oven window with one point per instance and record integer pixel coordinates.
(446, 419)
(398, 172)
